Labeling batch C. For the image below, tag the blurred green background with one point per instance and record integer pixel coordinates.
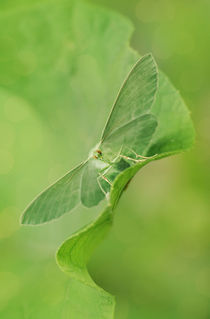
(156, 259)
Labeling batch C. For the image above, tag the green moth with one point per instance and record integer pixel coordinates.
(125, 141)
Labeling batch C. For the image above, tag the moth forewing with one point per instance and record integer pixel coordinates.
(136, 95)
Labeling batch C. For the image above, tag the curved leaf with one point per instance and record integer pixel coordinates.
(85, 298)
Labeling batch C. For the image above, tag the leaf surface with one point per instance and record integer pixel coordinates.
(85, 299)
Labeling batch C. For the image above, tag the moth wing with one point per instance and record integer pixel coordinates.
(132, 137)
(56, 200)
(91, 191)
(135, 97)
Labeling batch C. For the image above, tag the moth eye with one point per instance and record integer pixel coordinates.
(94, 156)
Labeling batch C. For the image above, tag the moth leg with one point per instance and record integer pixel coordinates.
(106, 194)
(141, 156)
(132, 159)
(146, 157)
(101, 185)
(116, 158)
(106, 169)
(118, 155)
(106, 179)
(113, 161)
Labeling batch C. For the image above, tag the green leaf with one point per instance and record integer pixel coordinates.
(175, 130)
(85, 298)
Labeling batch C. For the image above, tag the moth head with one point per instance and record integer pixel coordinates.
(97, 154)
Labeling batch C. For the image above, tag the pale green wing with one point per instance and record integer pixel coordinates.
(91, 191)
(56, 200)
(132, 137)
(135, 97)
